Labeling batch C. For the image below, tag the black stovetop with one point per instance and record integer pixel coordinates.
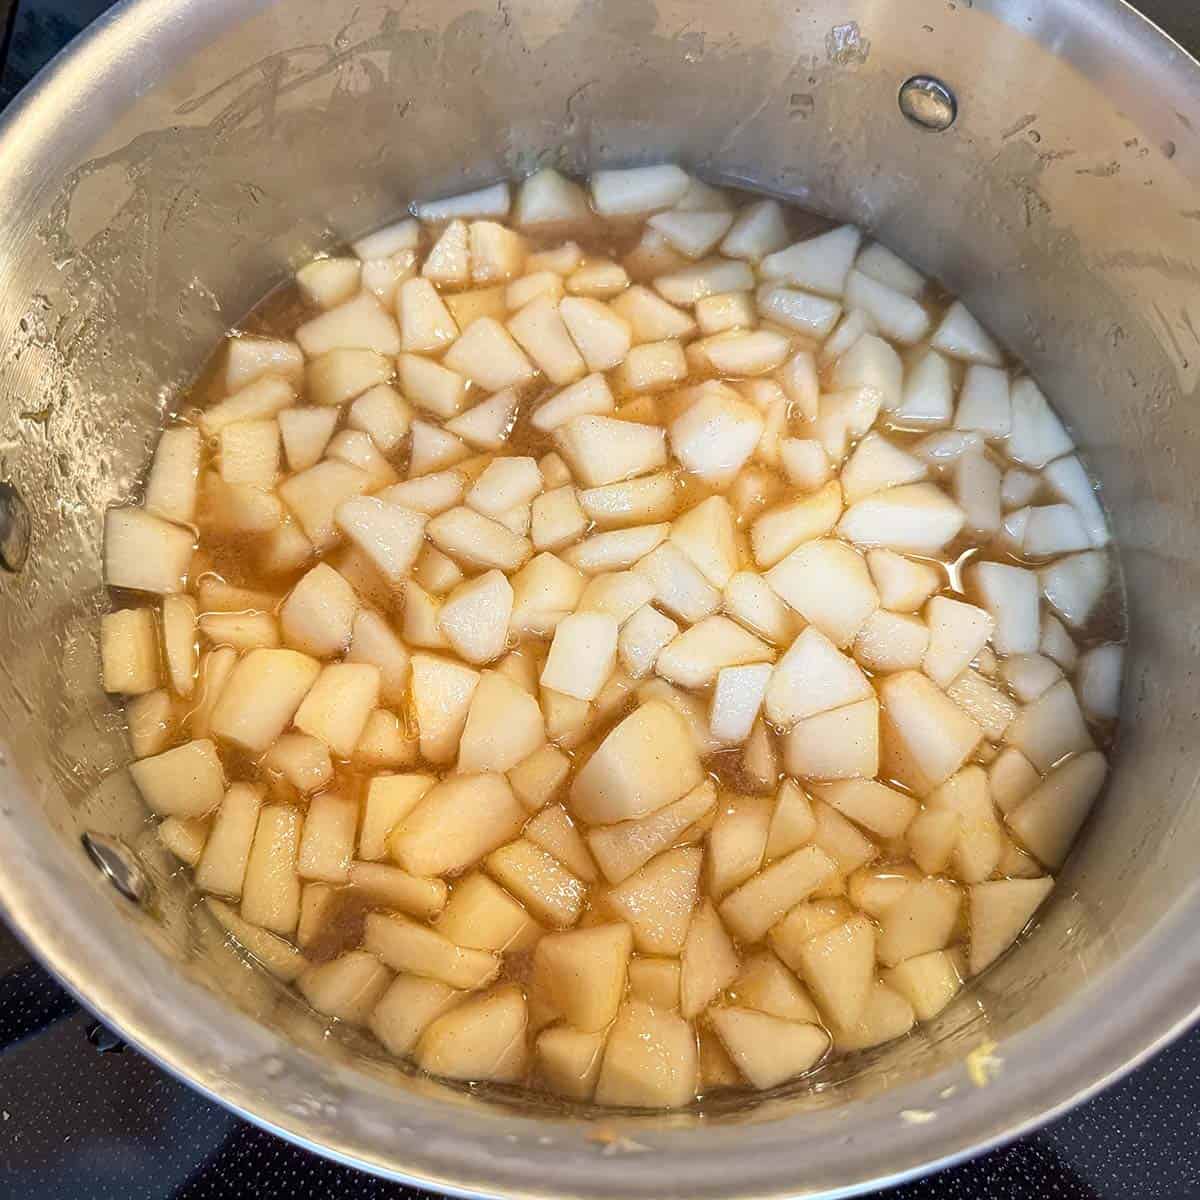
(83, 1118)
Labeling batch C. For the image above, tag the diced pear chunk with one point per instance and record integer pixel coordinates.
(706, 534)
(129, 651)
(185, 781)
(780, 530)
(482, 915)
(693, 234)
(537, 779)
(645, 763)
(1099, 681)
(580, 974)
(504, 726)
(222, 867)
(812, 677)
(766, 985)
(279, 957)
(650, 1060)
(478, 541)
(1037, 435)
(262, 697)
(554, 831)
(327, 844)
(602, 449)
(569, 1062)
(922, 920)
(839, 968)
(709, 961)
(492, 201)
(548, 890)
(1051, 727)
(891, 641)
(915, 518)
(873, 805)
(172, 484)
(961, 336)
(737, 700)
(602, 336)
(248, 358)
(828, 583)
(336, 707)
(425, 323)
(888, 1015)
(655, 981)
(657, 900)
(679, 586)
(758, 230)
(760, 902)
(896, 314)
(650, 317)
(390, 887)
(625, 847)
(997, 912)
(768, 1050)
(732, 310)
(360, 323)
(1074, 585)
(792, 822)
(475, 617)
(487, 354)
(736, 842)
(1050, 817)
(842, 743)
(928, 982)
(904, 585)
(152, 722)
(408, 1006)
(716, 435)
(749, 599)
(957, 632)
(441, 691)
(144, 553)
(819, 264)
(407, 946)
(548, 199)
(389, 535)
(271, 889)
(694, 658)
(926, 736)
(842, 840)
(455, 824)
(545, 591)
(541, 333)
(483, 1038)
(582, 655)
(635, 191)
(496, 253)
(616, 549)
(709, 277)
(390, 798)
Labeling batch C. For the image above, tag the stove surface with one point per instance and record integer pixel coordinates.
(84, 1118)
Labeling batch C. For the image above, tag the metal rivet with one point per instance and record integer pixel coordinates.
(103, 1038)
(928, 103)
(15, 529)
(117, 862)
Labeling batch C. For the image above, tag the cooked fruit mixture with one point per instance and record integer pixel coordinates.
(631, 641)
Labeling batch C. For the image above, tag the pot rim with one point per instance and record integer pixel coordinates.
(68, 921)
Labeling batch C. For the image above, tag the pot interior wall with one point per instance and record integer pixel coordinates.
(1063, 205)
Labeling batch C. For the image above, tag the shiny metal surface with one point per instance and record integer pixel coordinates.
(169, 169)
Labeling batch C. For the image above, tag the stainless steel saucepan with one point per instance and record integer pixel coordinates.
(168, 169)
